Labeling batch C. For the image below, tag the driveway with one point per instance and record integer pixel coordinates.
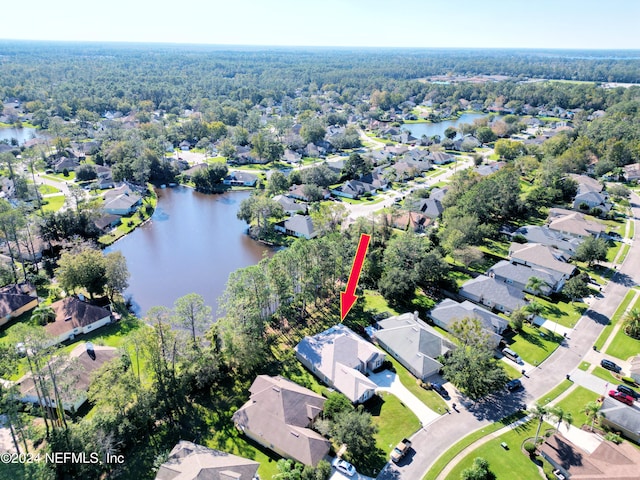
(388, 381)
(448, 429)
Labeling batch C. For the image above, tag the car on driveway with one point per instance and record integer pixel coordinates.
(609, 365)
(514, 384)
(440, 389)
(344, 467)
(628, 391)
(621, 397)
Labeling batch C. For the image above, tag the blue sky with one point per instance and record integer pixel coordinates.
(400, 23)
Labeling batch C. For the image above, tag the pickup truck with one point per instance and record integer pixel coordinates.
(400, 451)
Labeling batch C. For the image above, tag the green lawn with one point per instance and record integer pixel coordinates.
(394, 421)
(562, 312)
(556, 392)
(59, 177)
(575, 402)
(513, 372)
(454, 450)
(53, 204)
(584, 366)
(459, 277)
(511, 463)
(613, 251)
(430, 398)
(622, 346)
(604, 374)
(623, 255)
(375, 303)
(614, 319)
(531, 346)
(632, 225)
(495, 247)
(47, 189)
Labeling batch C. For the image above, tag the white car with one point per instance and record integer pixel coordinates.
(344, 467)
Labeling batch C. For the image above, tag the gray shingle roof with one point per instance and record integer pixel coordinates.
(540, 255)
(519, 273)
(548, 237)
(448, 311)
(488, 289)
(189, 461)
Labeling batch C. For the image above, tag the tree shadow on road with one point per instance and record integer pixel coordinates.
(623, 279)
(598, 317)
(496, 407)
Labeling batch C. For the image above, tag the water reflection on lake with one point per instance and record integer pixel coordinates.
(192, 244)
(438, 128)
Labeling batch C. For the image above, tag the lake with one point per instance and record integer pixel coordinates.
(192, 243)
(21, 134)
(438, 128)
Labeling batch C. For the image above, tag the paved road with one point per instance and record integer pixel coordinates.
(430, 442)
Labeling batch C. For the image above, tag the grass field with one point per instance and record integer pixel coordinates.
(556, 392)
(614, 319)
(512, 462)
(430, 398)
(450, 454)
(623, 346)
(575, 403)
(531, 346)
(584, 366)
(47, 189)
(562, 312)
(604, 374)
(394, 421)
(53, 204)
(623, 254)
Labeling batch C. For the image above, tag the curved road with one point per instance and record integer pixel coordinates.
(433, 440)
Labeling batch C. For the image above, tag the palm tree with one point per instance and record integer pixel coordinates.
(592, 411)
(559, 414)
(632, 323)
(539, 412)
(534, 308)
(535, 285)
(42, 314)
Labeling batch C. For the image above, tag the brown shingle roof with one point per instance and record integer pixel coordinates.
(73, 313)
(12, 298)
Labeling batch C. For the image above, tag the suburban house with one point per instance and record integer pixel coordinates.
(415, 222)
(291, 156)
(489, 168)
(632, 172)
(576, 226)
(240, 179)
(534, 254)
(107, 221)
(621, 418)
(413, 343)
(518, 275)
(191, 171)
(586, 183)
(297, 226)
(493, 293)
(290, 206)
(190, 461)
(74, 373)
(592, 200)
(15, 300)
(278, 415)
(376, 179)
(606, 462)
(297, 192)
(551, 238)
(440, 158)
(7, 187)
(406, 169)
(353, 189)
(73, 317)
(448, 311)
(340, 358)
(104, 177)
(68, 164)
(122, 200)
(431, 207)
(184, 146)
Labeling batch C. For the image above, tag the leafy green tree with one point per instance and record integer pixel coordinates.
(517, 319)
(82, 270)
(535, 285)
(632, 323)
(208, 180)
(479, 471)
(356, 165)
(592, 250)
(576, 288)
(356, 429)
(450, 133)
(192, 314)
(312, 131)
(485, 135)
(260, 209)
(43, 314)
(116, 273)
(335, 405)
(277, 183)
(472, 367)
(509, 149)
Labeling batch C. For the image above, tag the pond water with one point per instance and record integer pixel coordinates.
(192, 243)
(438, 128)
(21, 134)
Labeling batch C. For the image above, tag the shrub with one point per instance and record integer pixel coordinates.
(530, 448)
(613, 437)
(628, 380)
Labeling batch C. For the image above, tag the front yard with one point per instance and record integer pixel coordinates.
(533, 344)
(576, 402)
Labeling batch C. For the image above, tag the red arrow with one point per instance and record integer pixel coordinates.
(348, 297)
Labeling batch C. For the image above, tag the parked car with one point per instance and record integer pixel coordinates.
(440, 389)
(621, 397)
(511, 355)
(344, 467)
(609, 365)
(401, 450)
(628, 391)
(514, 384)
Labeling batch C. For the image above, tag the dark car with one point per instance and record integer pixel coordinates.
(514, 384)
(621, 397)
(440, 389)
(609, 365)
(629, 391)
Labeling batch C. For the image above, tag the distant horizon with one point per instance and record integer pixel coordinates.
(319, 47)
(413, 24)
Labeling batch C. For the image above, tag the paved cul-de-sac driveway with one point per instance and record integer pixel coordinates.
(388, 381)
